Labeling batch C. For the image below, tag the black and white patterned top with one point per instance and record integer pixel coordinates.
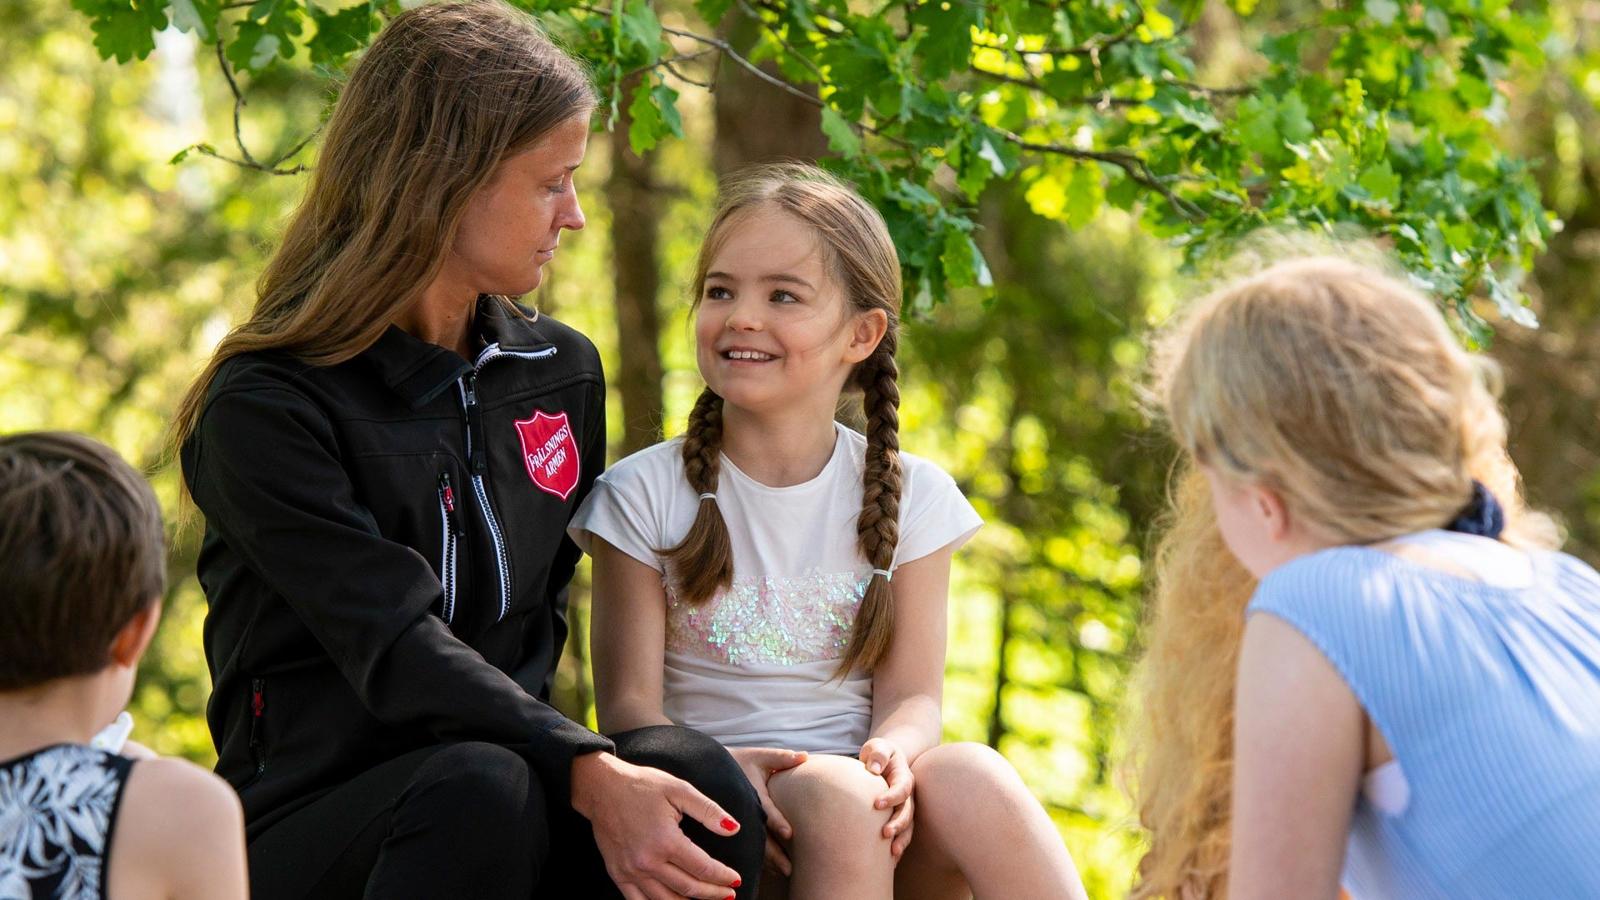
(58, 806)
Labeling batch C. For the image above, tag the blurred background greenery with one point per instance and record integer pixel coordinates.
(120, 269)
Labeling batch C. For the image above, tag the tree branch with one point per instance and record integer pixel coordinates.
(248, 160)
(1135, 168)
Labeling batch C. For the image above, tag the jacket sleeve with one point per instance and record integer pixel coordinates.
(264, 468)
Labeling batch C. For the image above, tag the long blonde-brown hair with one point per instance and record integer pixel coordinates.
(1342, 388)
(444, 94)
(861, 258)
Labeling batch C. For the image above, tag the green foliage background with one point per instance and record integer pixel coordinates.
(127, 248)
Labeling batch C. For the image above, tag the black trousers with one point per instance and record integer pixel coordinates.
(471, 820)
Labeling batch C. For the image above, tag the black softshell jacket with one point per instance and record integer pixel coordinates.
(385, 560)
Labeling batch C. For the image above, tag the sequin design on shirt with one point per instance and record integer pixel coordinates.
(769, 621)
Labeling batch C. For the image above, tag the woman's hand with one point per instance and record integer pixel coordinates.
(635, 811)
(758, 764)
(882, 757)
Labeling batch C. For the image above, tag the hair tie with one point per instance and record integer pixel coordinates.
(709, 496)
(1482, 515)
(887, 575)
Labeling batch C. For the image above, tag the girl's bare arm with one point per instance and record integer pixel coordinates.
(1299, 752)
(627, 637)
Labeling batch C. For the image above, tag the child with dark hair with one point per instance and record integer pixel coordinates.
(80, 590)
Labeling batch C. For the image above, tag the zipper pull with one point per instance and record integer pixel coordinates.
(258, 702)
(447, 496)
(479, 460)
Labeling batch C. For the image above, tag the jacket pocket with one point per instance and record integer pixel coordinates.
(450, 531)
(258, 714)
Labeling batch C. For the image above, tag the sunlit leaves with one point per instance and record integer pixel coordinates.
(1374, 115)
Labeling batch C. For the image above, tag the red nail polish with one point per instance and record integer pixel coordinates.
(728, 824)
(736, 881)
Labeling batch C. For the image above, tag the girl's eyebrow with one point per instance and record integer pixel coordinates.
(780, 277)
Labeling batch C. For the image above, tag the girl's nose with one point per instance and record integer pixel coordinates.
(744, 316)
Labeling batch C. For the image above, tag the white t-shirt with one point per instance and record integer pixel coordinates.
(754, 665)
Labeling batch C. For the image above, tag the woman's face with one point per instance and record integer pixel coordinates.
(513, 223)
(773, 329)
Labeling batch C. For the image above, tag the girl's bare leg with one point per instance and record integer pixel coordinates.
(838, 849)
(980, 833)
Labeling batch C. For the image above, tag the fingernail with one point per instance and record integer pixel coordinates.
(736, 881)
(877, 769)
(728, 824)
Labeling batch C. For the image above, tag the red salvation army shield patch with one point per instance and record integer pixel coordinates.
(550, 452)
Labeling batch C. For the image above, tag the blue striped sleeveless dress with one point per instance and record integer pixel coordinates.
(1488, 693)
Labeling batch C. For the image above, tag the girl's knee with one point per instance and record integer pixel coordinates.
(830, 798)
(963, 772)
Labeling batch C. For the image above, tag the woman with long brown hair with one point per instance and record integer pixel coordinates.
(386, 453)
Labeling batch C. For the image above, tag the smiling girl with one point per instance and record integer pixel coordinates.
(779, 581)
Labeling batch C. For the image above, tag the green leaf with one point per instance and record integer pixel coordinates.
(267, 33)
(961, 258)
(1257, 125)
(1084, 195)
(124, 30)
(253, 49)
(1294, 124)
(1173, 104)
(946, 39)
(654, 115)
(841, 136)
(342, 33)
(198, 17)
(1381, 183)
(640, 26)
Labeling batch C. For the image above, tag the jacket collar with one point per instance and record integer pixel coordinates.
(420, 371)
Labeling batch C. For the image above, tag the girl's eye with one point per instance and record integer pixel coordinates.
(717, 293)
(784, 297)
(553, 189)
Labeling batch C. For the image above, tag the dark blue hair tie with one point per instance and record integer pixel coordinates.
(1481, 516)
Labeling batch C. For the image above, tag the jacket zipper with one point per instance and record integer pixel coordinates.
(478, 458)
(450, 527)
(258, 706)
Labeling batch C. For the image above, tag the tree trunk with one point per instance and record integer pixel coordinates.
(757, 122)
(635, 213)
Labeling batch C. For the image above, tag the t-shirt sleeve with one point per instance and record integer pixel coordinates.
(616, 511)
(935, 513)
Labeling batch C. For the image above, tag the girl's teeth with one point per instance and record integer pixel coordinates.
(747, 354)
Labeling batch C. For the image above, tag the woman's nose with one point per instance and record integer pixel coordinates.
(572, 217)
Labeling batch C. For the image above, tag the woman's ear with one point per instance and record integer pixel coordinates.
(130, 641)
(866, 332)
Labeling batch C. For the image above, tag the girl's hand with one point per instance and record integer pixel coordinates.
(882, 757)
(758, 764)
